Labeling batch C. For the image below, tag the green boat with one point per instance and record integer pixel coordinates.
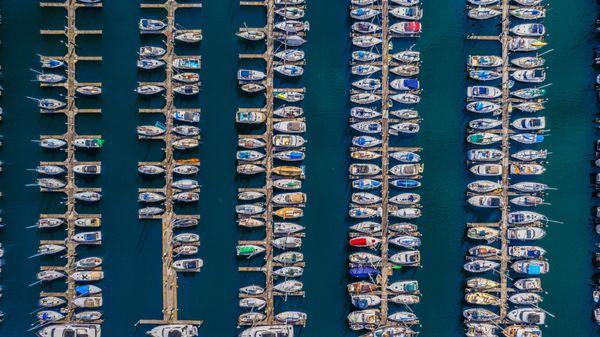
(249, 250)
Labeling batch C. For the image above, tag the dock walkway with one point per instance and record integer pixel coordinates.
(71, 191)
(170, 310)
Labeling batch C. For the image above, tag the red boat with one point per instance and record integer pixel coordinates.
(406, 28)
(364, 241)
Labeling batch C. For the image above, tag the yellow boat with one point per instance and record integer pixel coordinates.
(190, 161)
(365, 155)
(482, 299)
(288, 171)
(289, 213)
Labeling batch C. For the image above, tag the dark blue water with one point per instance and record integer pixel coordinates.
(132, 249)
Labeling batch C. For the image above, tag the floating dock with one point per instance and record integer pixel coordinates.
(381, 273)
(271, 210)
(166, 212)
(507, 102)
(71, 272)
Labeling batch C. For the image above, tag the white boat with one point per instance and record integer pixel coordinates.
(484, 186)
(483, 13)
(49, 275)
(484, 61)
(529, 155)
(365, 41)
(51, 301)
(87, 276)
(407, 56)
(89, 90)
(485, 201)
(52, 143)
(269, 331)
(50, 169)
(529, 29)
(364, 13)
(290, 127)
(186, 184)
(537, 75)
(150, 64)
(406, 258)
(404, 128)
(93, 238)
(151, 51)
(187, 116)
(85, 169)
(89, 262)
(189, 37)
(525, 13)
(487, 170)
(188, 265)
(525, 233)
(406, 28)
(252, 303)
(483, 92)
(252, 35)
(151, 169)
(186, 143)
(406, 170)
(177, 330)
(68, 330)
(407, 13)
(485, 155)
(187, 89)
(288, 287)
(291, 317)
(290, 55)
(288, 140)
(87, 196)
(525, 44)
(290, 12)
(151, 26)
(483, 107)
(289, 70)
(88, 302)
(528, 316)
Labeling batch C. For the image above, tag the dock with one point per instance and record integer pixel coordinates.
(70, 190)
(268, 164)
(167, 216)
(385, 275)
(507, 103)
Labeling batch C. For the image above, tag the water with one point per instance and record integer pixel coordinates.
(132, 249)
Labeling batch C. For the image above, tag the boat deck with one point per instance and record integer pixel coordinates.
(170, 310)
(71, 32)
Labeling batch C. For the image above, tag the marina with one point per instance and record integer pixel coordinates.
(277, 204)
(76, 305)
(384, 114)
(130, 248)
(181, 138)
(502, 291)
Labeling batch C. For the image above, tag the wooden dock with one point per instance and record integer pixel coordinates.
(506, 103)
(170, 310)
(70, 85)
(385, 267)
(268, 163)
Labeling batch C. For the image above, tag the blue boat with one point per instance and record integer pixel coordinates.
(363, 272)
(405, 183)
(366, 184)
(87, 289)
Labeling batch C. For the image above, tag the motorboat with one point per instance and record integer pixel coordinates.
(485, 201)
(527, 315)
(175, 330)
(250, 117)
(406, 170)
(187, 89)
(67, 330)
(187, 116)
(89, 238)
(483, 92)
(525, 233)
(269, 331)
(404, 287)
(406, 258)
(406, 28)
(485, 155)
(486, 170)
(188, 265)
(531, 267)
(187, 63)
(529, 29)
(487, 61)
